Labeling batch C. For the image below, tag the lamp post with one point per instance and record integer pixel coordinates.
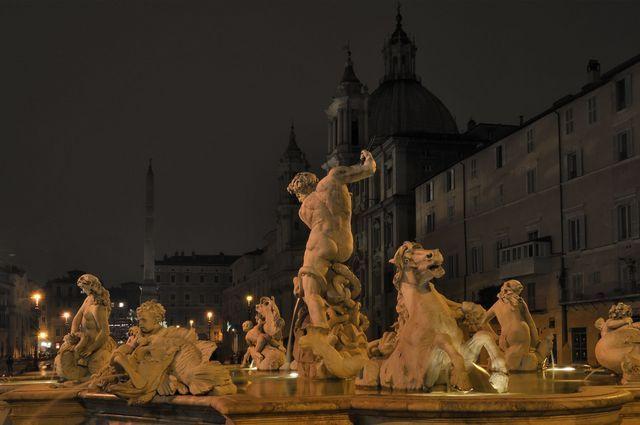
(209, 319)
(249, 298)
(191, 323)
(66, 315)
(36, 297)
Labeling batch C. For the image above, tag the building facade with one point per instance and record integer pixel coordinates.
(190, 286)
(19, 322)
(553, 204)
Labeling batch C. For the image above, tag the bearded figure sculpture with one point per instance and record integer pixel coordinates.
(88, 346)
(619, 346)
(265, 337)
(331, 339)
(426, 347)
(524, 350)
(157, 360)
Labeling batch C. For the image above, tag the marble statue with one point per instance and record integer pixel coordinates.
(265, 337)
(331, 333)
(619, 346)
(519, 340)
(426, 346)
(162, 360)
(88, 345)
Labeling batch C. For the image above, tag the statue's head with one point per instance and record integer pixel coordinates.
(267, 308)
(247, 325)
(302, 185)
(510, 292)
(620, 311)
(425, 264)
(91, 286)
(150, 316)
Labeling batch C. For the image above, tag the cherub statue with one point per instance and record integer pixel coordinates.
(163, 361)
(333, 332)
(88, 346)
(619, 346)
(524, 350)
(265, 338)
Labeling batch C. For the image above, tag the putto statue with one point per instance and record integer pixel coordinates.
(426, 347)
(163, 361)
(265, 337)
(619, 346)
(331, 338)
(88, 346)
(524, 350)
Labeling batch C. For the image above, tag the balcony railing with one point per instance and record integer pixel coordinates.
(531, 257)
(590, 292)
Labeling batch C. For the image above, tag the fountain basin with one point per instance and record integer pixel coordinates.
(275, 398)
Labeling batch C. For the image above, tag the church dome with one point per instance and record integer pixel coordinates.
(401, 104)
(404, 106)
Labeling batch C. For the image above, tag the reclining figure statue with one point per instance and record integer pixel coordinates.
(88, 346)
(157, 360)
(427, 345)
(619, 346)
(265, 338)
(331, 339)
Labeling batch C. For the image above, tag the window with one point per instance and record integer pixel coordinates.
(187, 298)
(201, 278)
(376, 235)
(499, 156)
(388, 177)
(592, 111)
(623, 145)
(626, 220)
(579, 345)
(573, 165)
(505, 254)
(531, 181)
(532, 236)
(473, 167)
(186, 278)
(476, 259)
(451, 266)
(428, 192)
(530, 140)
(173, 278)
(355, 131)
(173, 299)
(577, 286)
(576, 233)
(451, 180)
(627, 274)
(388, 229)
(201, 298)
(431, 222)
(216, 279)
(595, 278)
(623, 93)
(531, 295)
(568, 121)
(451, 208)
(158, 278)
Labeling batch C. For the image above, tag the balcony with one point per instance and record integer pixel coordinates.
(527, 258)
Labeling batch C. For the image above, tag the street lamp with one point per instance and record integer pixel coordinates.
(66, 315)
(249, 298)
(36, 297)
(209, 319)
(191, 323)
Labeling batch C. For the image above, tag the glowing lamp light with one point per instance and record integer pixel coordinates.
(120, 304)
(36, 296)
(191, 322)
(249, 299)
(209, 315)
(66, 315)
(42, 335)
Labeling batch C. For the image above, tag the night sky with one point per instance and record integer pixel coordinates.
(89, 90)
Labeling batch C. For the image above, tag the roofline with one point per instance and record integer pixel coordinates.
(586, 89)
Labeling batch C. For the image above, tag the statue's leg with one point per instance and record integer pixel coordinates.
(514, 355)
(314, 286)
(459, 376)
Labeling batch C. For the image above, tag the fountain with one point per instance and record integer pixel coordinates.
(426, 369)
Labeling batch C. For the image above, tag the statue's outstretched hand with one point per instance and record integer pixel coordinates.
(365, 155)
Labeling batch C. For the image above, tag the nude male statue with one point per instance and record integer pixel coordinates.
(519, 334)
(326, 210)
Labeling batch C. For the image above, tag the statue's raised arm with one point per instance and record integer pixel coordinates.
(354, 173)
